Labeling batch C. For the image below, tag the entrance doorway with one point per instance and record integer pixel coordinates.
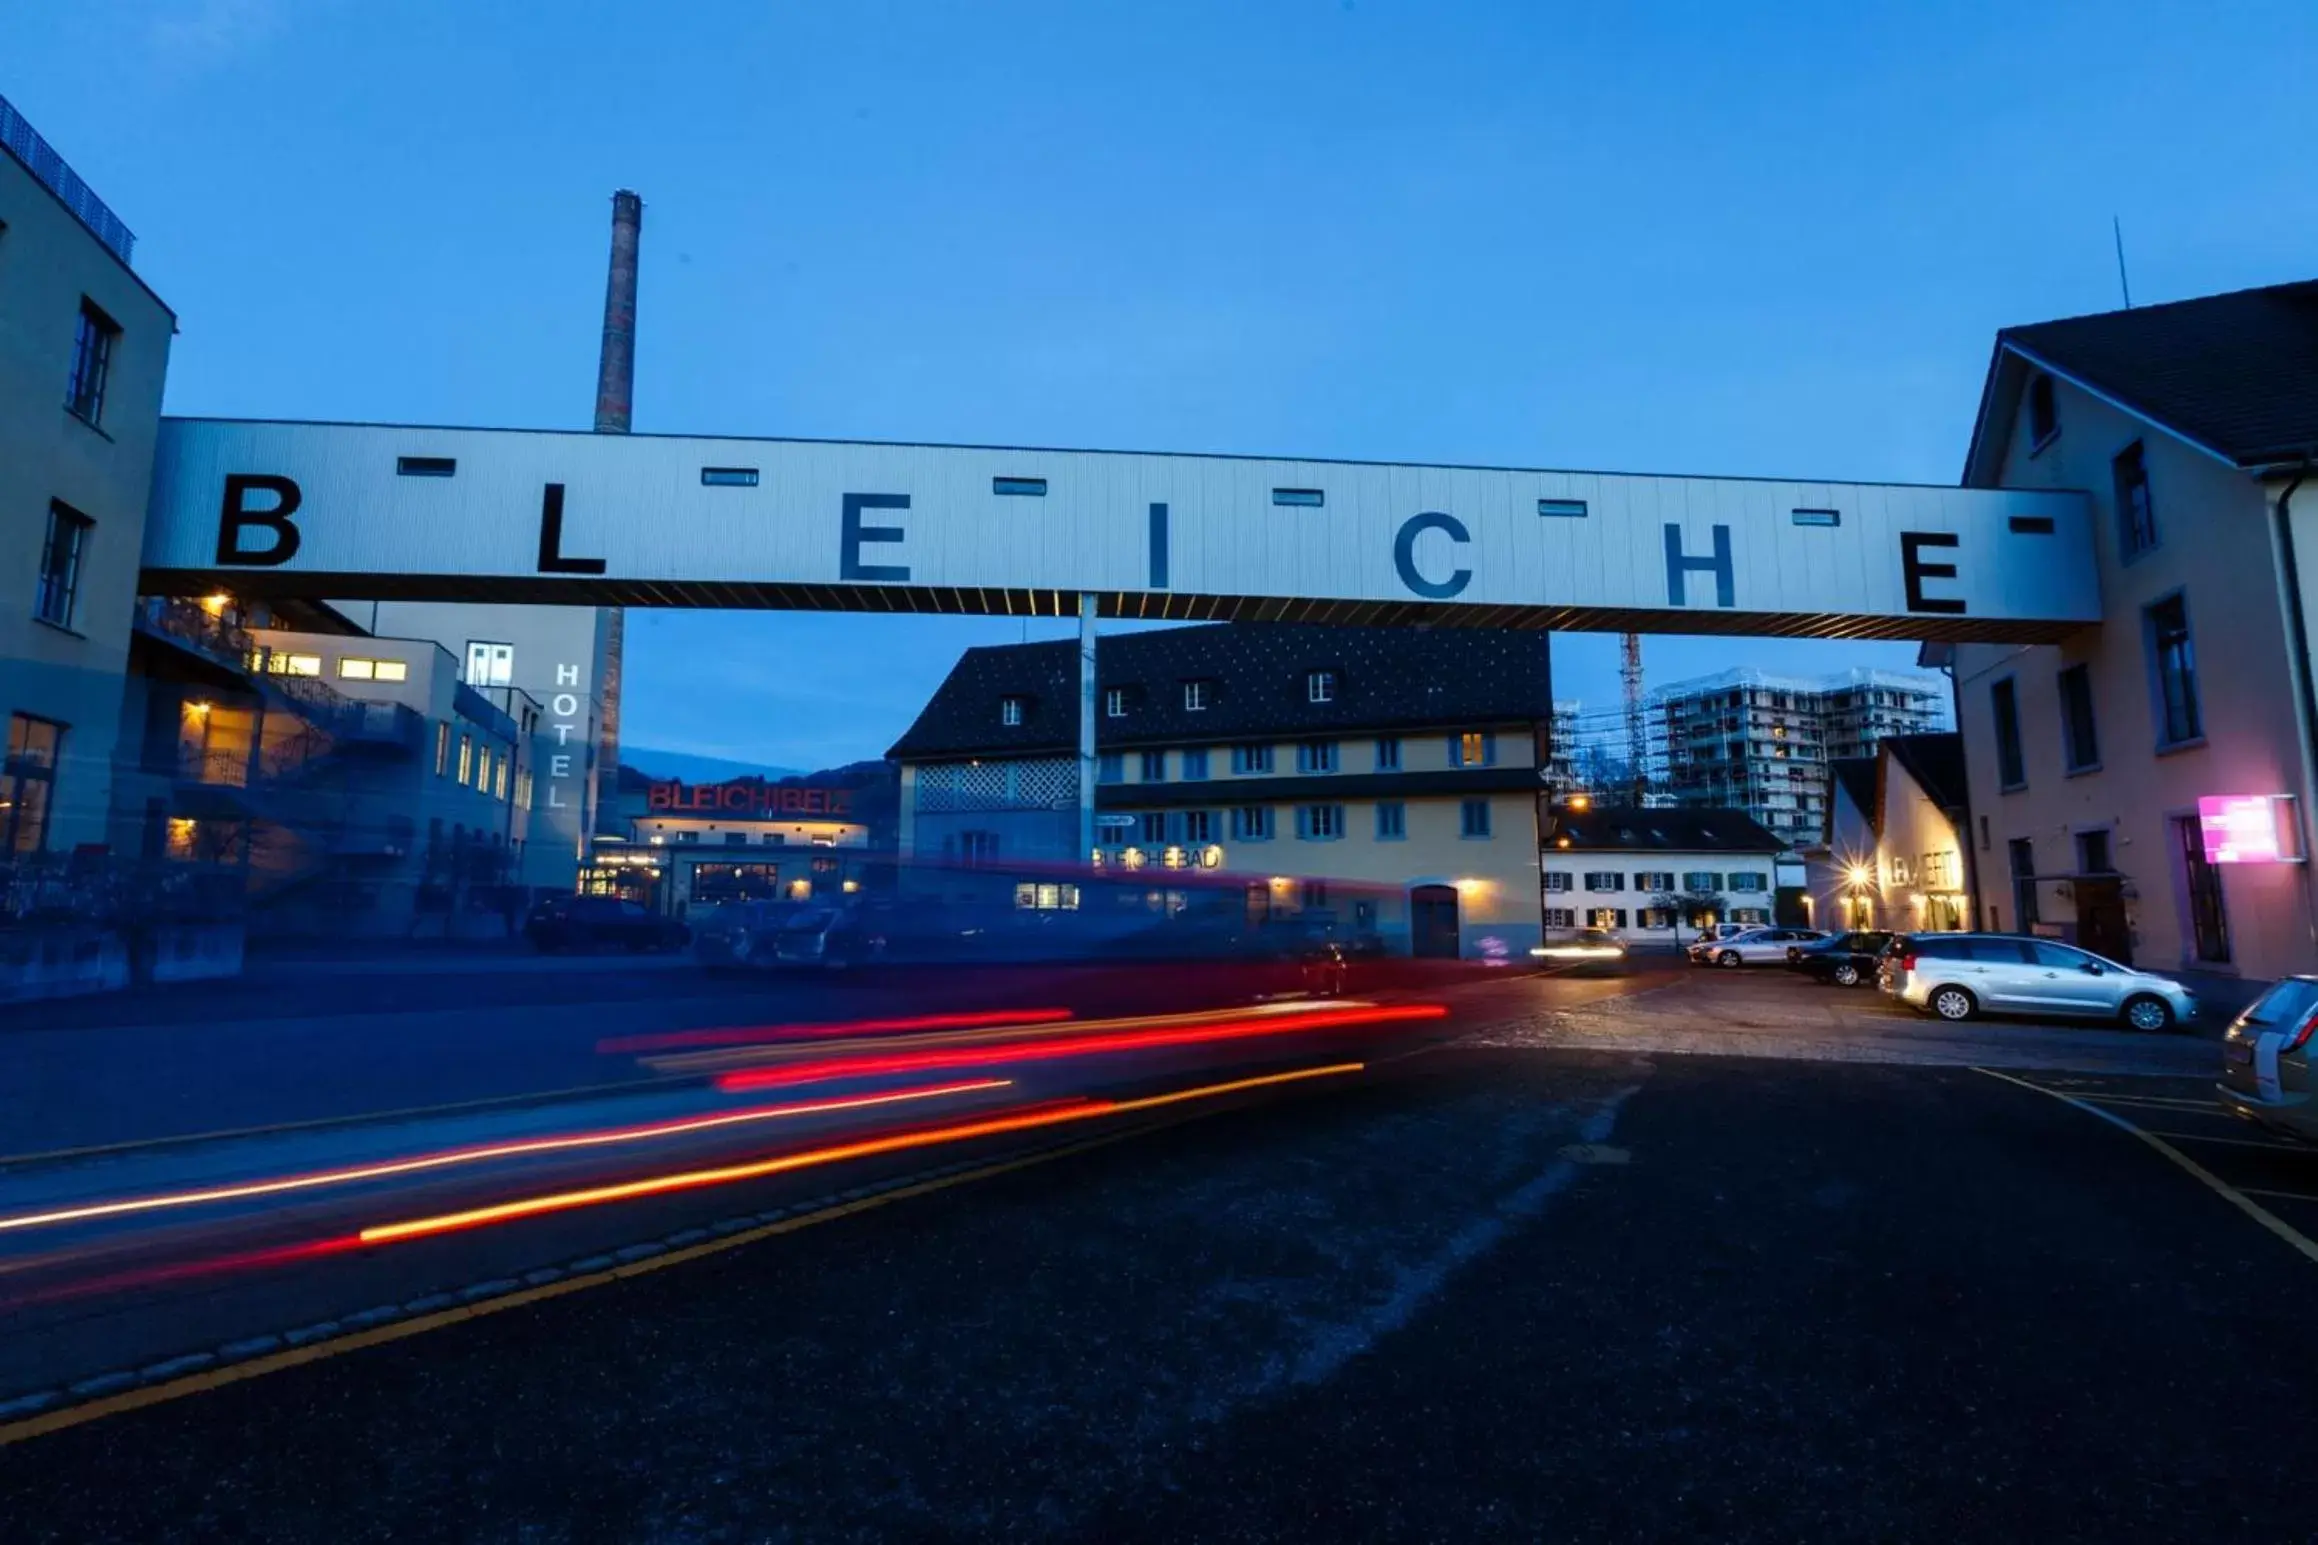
(2208, 918)
(1433, 922)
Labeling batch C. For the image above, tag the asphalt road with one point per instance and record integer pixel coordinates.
(1505, 1291)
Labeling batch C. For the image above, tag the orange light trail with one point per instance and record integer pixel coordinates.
(1068, 1046)
(507, 1150)
(758, 1034)
(660, 1185)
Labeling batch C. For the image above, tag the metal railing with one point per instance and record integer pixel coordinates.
(42, 160)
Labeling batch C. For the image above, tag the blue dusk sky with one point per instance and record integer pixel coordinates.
(1694, 238)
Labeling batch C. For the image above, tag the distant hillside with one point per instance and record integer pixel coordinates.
(688, 767)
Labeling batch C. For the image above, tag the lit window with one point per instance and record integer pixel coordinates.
(27, 782)
(1474, 748)
(466, 759)
(442, 746)
(489, 664)
(295, 664)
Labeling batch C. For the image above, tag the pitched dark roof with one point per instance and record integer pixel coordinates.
(1626, 828)
(1855, 775)
(2238, 373)
(1386, 679)
(1936, 762)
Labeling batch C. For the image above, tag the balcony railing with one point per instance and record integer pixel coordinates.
(60, 179)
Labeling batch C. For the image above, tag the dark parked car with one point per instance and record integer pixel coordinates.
(600, 922)
(1846, 959)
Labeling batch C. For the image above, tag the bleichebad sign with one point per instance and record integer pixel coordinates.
(477, 515)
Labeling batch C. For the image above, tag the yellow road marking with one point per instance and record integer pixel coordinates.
(2220, 1187)
(2234, 1142)
(401, 1330)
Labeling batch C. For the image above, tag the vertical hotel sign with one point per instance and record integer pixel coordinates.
(567, 764)
(2249, 829)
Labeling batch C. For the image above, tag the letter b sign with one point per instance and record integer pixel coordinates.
(237, 515)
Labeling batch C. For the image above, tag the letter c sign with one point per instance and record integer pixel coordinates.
(1404, 555)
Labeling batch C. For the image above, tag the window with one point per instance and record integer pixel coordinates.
(1392, 820)
(426, 466)
(294, 664)
(1605, 880)
(2031, 525)
(1251, 823)
(57, 593)
(1319, 686)
(1474, 748)
(1654, 881)
(2136, 518)
(1319, 823)
(1316, 756)
(354, 668)
(1558, 881)
(1311, 498)
(1154, 767)
(1702, 881)
(2080, 743)
(1114, 702)
(1388, 753)
(442, 746)
(2004, 705)
(92, 364)
(1473, 818)
(1022, 487)
(977, 847)
(1561, 917)
(1010, 711)
(1818, 517)
(28, 782)
(466, 758)
(1195, 765)
(1198, 826)
(2020, 852)
(1154, 827)
(2174, 664)
(2043, 414)
(1196, 695)
(1752, 915)
(499, 785)
(1748, 882)
(1562, 509)
(2093, 856)
(1111, 830)
(1606, 917)
(489, 664)
(1111, 767)
(1251, 759)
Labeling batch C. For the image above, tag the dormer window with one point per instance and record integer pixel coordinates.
(1197, 695)
(1319, 686)
(1010, 711)
(1115, 703)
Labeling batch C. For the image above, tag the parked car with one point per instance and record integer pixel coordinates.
(1958, 975)
(740, 936)
(1700, 951)
(2265, 1059)
(596, 922)
(1760, 946)
(1846, 959)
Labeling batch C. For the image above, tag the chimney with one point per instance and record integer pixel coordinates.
(616, 366)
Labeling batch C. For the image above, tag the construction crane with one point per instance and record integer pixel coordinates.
(1630, 684)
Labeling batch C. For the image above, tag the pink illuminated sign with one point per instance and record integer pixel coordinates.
(2247, 828)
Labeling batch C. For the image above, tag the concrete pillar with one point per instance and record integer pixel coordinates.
(1086, 728)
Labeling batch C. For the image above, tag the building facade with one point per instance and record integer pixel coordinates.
(679, 847)
(1897, 852)
(84, 345)
(2192, 424)
(1382, 780)
(1760, 743)
(1657, 876)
